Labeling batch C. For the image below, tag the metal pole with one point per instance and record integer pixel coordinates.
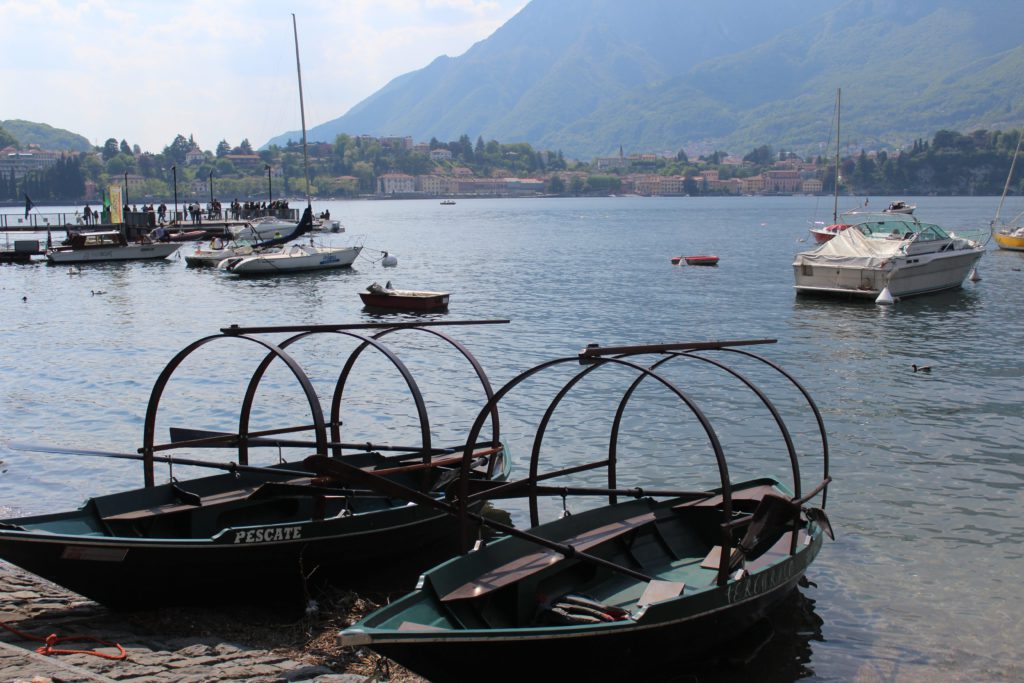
(174, 171)
(124, 218)
(270, 195)
(211, 194)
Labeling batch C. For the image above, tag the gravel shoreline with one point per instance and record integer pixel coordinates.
(238, 643)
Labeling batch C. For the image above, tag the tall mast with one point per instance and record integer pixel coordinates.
(302, 112)
(835, 194)
(1006, 187)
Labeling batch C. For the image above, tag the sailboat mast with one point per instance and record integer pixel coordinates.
(302, 112)
(1006, 188)
(835, 194)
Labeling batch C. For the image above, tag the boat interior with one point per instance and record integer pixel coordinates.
(201, 508)
(673, 545)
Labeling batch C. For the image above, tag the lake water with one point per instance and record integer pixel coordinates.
(921, 583)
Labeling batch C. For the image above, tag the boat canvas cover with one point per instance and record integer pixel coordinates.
(852, 248)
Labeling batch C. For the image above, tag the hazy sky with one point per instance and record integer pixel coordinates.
(146, 70)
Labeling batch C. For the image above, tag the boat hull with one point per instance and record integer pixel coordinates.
(295, 259)
(612, 654)
(662, 634)
(131, 252)
(271, 549)
(905, 276)
(209, 258)
(701, 260)
(1009, 241)
(418, 301)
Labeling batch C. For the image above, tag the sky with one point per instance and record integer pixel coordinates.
(146, 70)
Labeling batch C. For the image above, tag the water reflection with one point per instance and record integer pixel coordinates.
(775, 650)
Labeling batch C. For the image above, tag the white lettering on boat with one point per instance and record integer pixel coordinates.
(269, 535)
(759, 583)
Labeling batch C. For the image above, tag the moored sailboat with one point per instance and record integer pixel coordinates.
(296, 257)
(820, 231)
(1009, 236)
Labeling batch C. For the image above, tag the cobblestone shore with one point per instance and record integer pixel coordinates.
(36, 607)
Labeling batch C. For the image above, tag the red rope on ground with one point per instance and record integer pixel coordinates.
(49, 641)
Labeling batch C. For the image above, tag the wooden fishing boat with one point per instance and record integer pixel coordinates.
(617, 591)
(376, 296)
(267, 534)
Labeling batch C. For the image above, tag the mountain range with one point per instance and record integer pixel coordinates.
(589, 77)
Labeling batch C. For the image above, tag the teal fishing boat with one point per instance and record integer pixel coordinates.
(619, 590)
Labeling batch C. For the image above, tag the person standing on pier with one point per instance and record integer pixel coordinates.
(88, 214)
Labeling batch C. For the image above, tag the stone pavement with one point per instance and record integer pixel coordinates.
(33, 606)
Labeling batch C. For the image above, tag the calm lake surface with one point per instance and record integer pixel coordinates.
(922, 582)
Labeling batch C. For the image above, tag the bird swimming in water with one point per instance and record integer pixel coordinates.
(921, 368)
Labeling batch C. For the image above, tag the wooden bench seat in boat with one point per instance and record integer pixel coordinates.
(168, 508)
(526, 565)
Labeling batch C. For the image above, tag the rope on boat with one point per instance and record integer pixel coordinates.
(362, 254)
(47, 648)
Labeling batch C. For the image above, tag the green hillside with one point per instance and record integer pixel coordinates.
(47, 137)
(586, 76)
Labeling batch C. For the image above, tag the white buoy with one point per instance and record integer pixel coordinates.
(885, 297)
(974, 277)
(388, 260)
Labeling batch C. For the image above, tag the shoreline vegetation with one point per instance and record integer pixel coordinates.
(366, 167)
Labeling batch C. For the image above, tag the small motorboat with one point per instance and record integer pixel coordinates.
(163, 234)
(107, 245)
(705, 260)
(827, 232)
(448, 202)
(620, 590)
(899, 206)
(376, 296)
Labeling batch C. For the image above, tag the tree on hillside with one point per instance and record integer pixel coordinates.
(124, 148)
(245, 147)
(6, 139)
(223, 148)
(178, 149)
(762, 156)
(110, 149)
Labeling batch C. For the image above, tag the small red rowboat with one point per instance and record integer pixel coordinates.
(701, 260)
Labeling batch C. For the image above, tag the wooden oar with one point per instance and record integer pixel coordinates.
(183, 437)
(491, 490)
(345, 472)
(234, 467)
(229, 466)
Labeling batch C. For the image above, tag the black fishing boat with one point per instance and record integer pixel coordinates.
(620, 591)
(262, 534)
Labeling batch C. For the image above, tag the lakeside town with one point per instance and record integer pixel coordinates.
(398, 167)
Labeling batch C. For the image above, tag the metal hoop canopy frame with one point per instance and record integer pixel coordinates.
(369, 336)
(594, 358)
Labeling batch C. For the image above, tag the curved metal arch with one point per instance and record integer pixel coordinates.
(322, 447)
(149, 428)
(810, 402)
(723, 468)
(790, 448)
(350, 363)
